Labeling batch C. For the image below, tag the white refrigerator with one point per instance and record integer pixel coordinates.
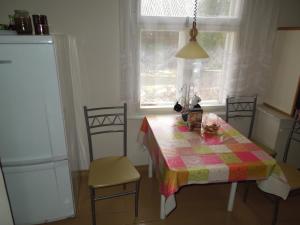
(38, 144)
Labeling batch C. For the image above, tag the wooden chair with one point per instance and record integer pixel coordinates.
(291, 173)
(113, 170)
(245, 107)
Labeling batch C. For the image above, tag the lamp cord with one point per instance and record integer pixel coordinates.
(195, 11)
(194, 31)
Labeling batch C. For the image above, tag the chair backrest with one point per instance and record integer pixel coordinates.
(294, 134)
(106, 120)
(241, 106)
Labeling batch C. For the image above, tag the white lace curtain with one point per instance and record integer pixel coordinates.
(129, 49)
(251, 60)
(248, 64)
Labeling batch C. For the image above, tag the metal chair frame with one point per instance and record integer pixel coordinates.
(294, 136)
(108, 120)
(238, 108)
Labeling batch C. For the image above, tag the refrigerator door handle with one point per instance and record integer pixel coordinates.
(33, 161)
(5, 61)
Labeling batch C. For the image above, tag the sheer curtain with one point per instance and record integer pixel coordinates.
(129, 50)
(250, 61)
(78, 94)
(246, 56)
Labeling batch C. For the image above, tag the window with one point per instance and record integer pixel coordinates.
(163, 29)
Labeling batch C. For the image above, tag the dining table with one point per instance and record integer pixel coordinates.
(182, 157)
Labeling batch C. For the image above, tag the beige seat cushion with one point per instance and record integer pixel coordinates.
(111, 171)
(292, 175)
(266, 149)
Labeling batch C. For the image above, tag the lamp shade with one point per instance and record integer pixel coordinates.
(192, 50)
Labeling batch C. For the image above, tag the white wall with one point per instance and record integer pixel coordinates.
(95, 25)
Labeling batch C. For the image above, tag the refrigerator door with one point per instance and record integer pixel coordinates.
(40, 193)
(31, 120)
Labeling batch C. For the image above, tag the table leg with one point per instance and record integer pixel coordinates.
(231, 196)
(150, 166)
(162, 207)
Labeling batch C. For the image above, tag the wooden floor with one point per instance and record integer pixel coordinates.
(196, 205)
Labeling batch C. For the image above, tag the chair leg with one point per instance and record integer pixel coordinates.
(137, 190)
(276, 208)
(92, 193)
(246, 192)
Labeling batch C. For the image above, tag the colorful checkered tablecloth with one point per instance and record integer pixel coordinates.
(183, 157)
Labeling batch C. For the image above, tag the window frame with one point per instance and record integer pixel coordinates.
(228, 24)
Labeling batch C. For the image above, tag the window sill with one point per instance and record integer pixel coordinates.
(142, 112)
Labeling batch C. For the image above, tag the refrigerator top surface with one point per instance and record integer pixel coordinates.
(25, 39)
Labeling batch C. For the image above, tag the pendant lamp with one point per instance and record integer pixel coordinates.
(192, 50)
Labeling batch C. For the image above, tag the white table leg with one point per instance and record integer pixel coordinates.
(150, 166)
(231, 196)
(162, 207)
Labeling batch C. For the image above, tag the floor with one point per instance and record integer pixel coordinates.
(196, 204)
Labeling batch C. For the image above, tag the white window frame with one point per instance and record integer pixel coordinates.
(228, 24)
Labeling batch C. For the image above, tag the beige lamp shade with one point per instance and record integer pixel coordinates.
(192, 50)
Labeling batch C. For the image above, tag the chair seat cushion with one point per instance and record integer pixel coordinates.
(292, 175)
(110, 171)
(268, 150)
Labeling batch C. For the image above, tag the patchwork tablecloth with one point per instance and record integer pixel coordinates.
(182, 157)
